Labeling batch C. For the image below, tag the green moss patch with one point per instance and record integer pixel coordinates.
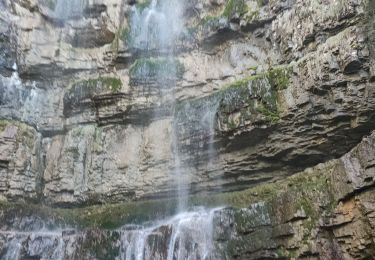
(87, 89)
(262, 2)
(242, 101)
(107, 216)
(371, 6)
(101, 83)
(162, 70)
(235, 6)
(3, 124)
(279, 77)
(237, 9)
(25, 134)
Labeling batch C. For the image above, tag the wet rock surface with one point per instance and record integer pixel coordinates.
(323, 212)
(257, 90)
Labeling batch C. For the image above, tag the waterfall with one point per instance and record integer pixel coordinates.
(187, 235)
(27, 98)
(157, 26)
(195, 125)
(69, 9)
(208, 123)
(154, 30)
(197, 122)
(37, 244)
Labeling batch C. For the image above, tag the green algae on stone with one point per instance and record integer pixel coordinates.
(279, 77)
(232, 8)
(106, 83)
(155, 70)
(141, 5)
(209, 22)
(271, 115)
(251, 16)
(87, 89)
(3, 124)
(235, 6)
(252, 95)
(106, 216)
(242, 101)
(262, 2)
(26, 134)
(96, 85)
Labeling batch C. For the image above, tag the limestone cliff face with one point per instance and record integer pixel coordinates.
(256, 91)
(324, 212)
(291, 84)
(260, 90)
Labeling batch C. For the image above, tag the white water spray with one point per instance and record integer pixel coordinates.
(187, 235)
(69, 9)
(156, 27)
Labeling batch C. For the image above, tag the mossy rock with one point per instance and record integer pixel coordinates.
(262, 2)
(25, 134)
(51, 4)
(102, 245)
(242, 101)
(271, 115)
(262, 88)
(155, 70)
(3, 124)
(235, 7)
(209, 23)
(249, 219)
(306, 189)
(279, 77)
(370, 6)
(87, 89)
(101, 83)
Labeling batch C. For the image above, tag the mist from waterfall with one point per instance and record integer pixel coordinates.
(208, 124)
(69, 9)
(195, 122)
(21, 100)
(155, 30)
(156, 27)
(187, 235)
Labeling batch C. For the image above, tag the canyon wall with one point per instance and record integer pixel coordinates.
(324, 212)
(256, 91)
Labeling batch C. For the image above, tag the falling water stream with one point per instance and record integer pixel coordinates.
(154, 32)
(69, 9)
(187, 235)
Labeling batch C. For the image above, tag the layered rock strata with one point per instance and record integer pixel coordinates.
(324, 212)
